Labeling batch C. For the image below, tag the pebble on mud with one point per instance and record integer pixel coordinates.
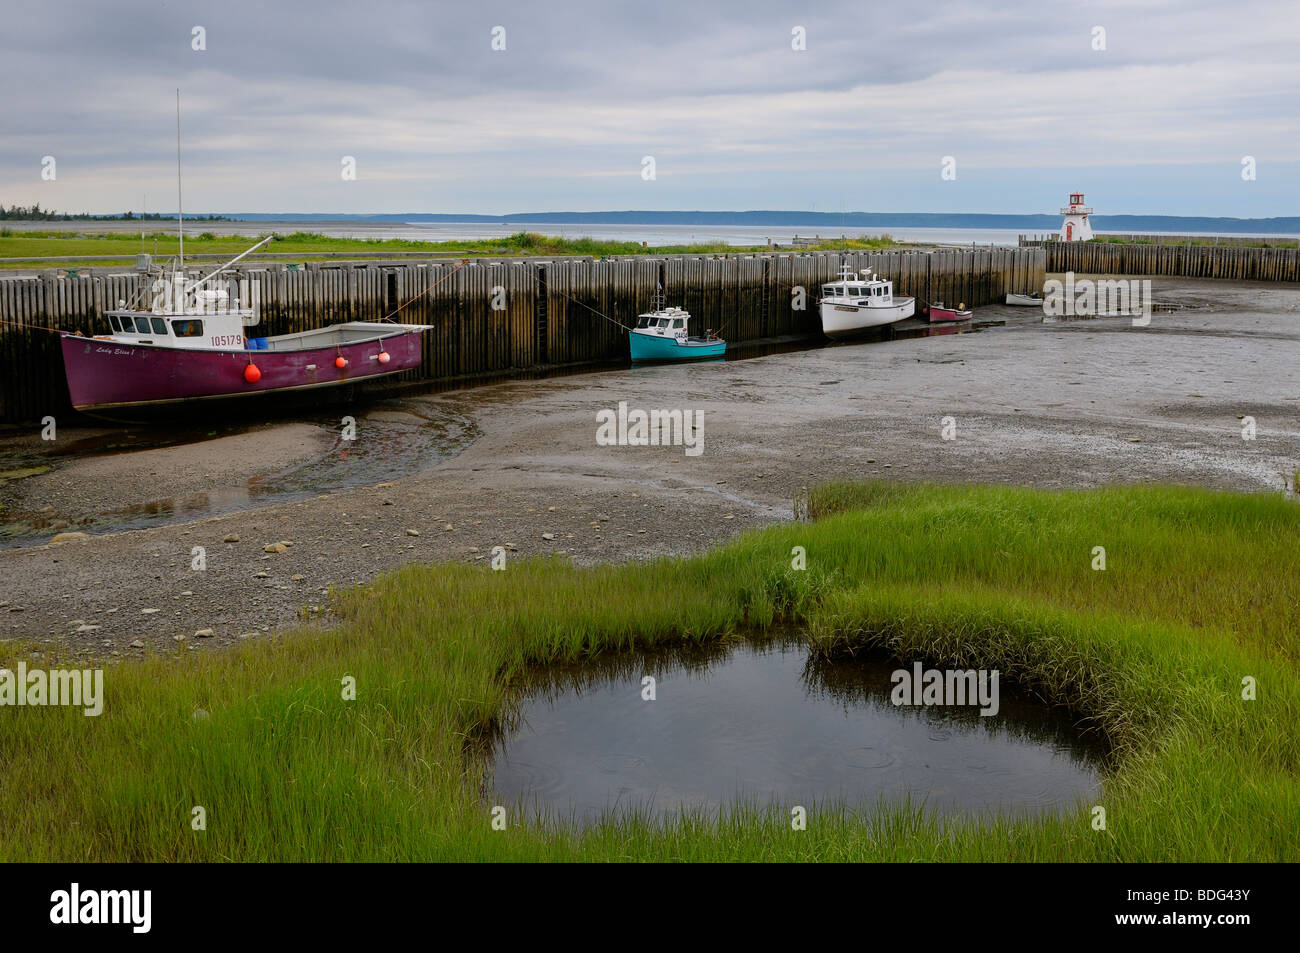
(67, 538)
(232, 538)
(204, 634)
(275, 548)
(412, 532)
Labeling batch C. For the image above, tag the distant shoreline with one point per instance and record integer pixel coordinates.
(1180, 224)
(833, 221)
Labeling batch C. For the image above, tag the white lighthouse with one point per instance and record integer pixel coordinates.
(1075, 228)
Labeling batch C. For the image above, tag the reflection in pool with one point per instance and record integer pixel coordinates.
(772, 726)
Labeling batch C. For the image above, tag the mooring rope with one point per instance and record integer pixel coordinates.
(463, 263)
(36, 327)
(590, 308)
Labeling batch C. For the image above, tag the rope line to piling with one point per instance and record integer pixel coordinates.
(35, 327)
(388, 317)
(600, 314)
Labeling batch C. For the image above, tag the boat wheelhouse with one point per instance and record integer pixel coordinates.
(856, 302)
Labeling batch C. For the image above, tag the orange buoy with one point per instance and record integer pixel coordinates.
(383, 357)
(252, 373)
(340, 361)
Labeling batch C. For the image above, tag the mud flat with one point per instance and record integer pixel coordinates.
(1068, 404)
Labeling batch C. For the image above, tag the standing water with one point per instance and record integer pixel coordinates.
(771, 726)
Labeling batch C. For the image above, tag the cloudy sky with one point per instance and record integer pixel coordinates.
(1016, 92)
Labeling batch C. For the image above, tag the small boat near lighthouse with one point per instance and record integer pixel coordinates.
(937, 312)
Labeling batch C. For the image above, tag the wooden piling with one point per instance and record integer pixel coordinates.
(551, 310)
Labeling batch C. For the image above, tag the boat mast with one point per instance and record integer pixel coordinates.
(180, 215)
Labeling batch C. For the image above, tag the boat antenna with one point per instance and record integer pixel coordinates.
(180, 215)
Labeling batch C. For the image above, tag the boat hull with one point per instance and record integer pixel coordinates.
(1024, 301)
(103, 374)
(938, 315)
(644, 347)
(844, 320)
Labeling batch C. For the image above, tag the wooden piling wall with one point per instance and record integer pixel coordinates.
(1189, 261)
(498, 316)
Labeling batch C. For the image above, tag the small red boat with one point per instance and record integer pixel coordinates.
(938, 312)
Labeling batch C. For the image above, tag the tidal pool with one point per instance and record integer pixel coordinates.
(772, 725)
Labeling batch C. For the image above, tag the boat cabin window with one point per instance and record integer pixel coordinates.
(142, 325)
(112, 323)
(678, 323)
(187, 329)
(663, 322)
(159, 326)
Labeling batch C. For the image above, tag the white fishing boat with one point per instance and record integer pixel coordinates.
(1034, 300)
(855, 303)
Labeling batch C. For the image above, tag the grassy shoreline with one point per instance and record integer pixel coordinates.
(1196, 595)
(33, 246)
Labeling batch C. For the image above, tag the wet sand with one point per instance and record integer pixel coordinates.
(1071, 404)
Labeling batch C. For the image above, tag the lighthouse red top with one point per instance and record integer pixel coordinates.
(1076, 206)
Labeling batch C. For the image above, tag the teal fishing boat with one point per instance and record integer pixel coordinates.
(663, 335)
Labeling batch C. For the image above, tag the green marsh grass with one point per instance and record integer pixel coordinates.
(29, 247)
(1199, 591)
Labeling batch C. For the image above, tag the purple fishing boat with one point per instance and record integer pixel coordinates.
(194, 342)
(160, 366)
(189, 340)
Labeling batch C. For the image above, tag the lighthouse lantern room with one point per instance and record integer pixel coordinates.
(1075, 228)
